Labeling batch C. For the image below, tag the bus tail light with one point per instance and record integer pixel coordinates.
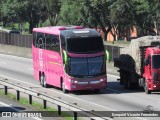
(79, 27)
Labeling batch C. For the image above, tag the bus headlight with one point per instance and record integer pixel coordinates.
(103, 79)
(75, 81)
(70, 80)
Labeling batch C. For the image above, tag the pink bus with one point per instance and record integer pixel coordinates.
(69, 57)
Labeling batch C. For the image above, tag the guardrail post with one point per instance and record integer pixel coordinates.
(5, 90)
(75, 116)
(30, 99)
(18, 95)
(44, 104)
(59, 110)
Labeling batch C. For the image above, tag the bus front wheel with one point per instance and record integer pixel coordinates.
(63, 87)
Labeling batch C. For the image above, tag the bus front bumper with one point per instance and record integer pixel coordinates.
(86, 85)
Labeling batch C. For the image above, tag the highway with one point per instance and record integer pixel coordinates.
(113, 98)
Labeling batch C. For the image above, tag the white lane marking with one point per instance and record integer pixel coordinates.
(30, 69)
(16, 56)
(17, 110)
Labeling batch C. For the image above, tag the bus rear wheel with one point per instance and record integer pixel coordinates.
(43, 81)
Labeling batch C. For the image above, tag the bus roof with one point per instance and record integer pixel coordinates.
(56, 29)
(80, 33)
(68, 31)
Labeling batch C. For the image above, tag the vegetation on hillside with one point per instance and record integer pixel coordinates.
(113, 16)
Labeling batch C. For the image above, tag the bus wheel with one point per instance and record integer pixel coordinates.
(146, 89)
(43, 81)
(63, 87)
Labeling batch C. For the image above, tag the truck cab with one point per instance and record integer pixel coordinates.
(151, 74)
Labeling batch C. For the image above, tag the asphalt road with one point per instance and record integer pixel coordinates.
(113, 98)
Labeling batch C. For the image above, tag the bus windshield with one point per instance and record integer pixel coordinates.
(87, 66)
(156, 61)
(85, 44)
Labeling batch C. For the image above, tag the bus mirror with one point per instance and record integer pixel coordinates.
(146, 62)
(65, 57)
(107, 56)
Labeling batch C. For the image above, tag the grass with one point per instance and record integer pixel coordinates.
(35, 105)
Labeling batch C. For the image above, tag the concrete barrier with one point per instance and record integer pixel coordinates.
(15, 50)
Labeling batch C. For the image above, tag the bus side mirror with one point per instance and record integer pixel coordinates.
(146, 62)
(65, 57)
(107, 56)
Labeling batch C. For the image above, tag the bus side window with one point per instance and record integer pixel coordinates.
(40, 41)
(55, 43)
(34, 38)
(48, 41)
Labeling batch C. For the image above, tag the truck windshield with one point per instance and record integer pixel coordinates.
(156, 61)
(87, 66)
(85, 44)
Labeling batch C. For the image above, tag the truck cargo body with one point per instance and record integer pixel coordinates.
(139, 65)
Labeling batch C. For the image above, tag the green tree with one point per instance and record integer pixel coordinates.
(99, 11)
(8, 11)
(31, 11)
(128, 13)
(53, 10)
(154, 15)
(70, 13)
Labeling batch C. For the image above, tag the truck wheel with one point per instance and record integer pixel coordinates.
(125, 81)
(121, 78)
(129, 84)
(146, 89)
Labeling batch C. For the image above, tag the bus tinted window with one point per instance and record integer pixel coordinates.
(84, 45)
(52, 42)
(40, 41)
(48, 41)
(34, 38)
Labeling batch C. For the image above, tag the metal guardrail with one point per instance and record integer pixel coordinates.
(60, 103)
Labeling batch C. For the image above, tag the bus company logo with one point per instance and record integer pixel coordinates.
(40, 59)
